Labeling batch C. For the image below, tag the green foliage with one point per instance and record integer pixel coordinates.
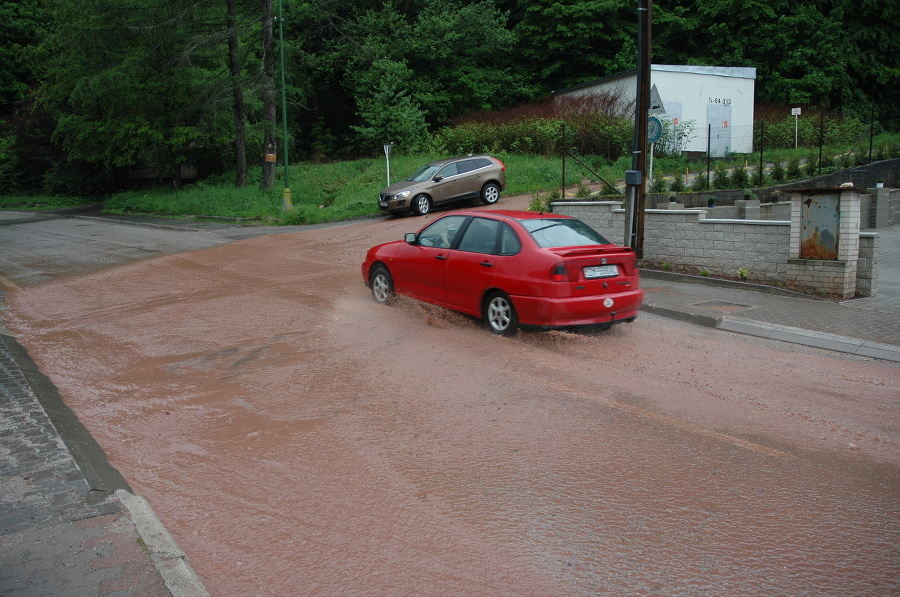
(777, 171)
(541, 202)
(793, 167)
(37, 202)
(699, 183)
(739, 178)
(91, 89)
(720, 178)
(658, 184)
(22, 24)
(677, 185)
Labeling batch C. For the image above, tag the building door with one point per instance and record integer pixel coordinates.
(719, 118)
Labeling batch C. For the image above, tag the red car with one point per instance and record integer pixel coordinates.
(510, 268)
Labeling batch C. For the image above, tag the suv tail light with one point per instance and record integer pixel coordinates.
(502, 165)
(559, 273)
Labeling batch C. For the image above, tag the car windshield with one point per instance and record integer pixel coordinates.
(563, 232)
(424, 173)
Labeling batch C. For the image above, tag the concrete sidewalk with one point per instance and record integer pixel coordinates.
(866, 327)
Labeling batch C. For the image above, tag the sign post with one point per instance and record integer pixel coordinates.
(654, 132)
(795, 112)
(387, 157)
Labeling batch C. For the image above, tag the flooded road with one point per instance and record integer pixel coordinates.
(298, 439)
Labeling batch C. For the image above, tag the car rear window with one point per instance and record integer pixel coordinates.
(562, 232)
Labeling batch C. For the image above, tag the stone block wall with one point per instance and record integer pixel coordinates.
(686, 238)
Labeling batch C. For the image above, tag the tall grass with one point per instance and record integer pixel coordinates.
(326, 192)
(334, 191)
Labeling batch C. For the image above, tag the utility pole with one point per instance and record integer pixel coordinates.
(636, 178)
(286, 203)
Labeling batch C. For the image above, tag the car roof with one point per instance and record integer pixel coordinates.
(456, 159)
(513, 214)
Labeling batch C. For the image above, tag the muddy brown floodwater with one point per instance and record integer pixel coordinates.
(299, 439)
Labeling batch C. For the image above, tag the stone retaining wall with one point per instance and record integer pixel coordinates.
(686, 238)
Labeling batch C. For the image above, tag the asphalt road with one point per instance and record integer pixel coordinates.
(297, 438)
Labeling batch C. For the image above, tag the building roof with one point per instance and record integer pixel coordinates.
(739, 72)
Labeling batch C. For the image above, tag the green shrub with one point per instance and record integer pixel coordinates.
(777, 171)
(739, 178)
(700, 183)
(720, 178)
(658, 184)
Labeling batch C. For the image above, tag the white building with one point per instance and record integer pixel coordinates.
(703, 105)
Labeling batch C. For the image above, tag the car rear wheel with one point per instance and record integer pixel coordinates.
(490, 193)
(382, 285)
(421, 205)
(500, 314)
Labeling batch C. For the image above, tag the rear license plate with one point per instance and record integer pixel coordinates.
(601, 271)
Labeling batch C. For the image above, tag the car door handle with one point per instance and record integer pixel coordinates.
(441, 257)
(487, 264)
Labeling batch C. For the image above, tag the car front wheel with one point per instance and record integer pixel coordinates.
(382, 285)
(421, 205)
(490, 193)
(500, 314)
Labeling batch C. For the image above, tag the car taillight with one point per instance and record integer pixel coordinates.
(502, 166)
(559, 273)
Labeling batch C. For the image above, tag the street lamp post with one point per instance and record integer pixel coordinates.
(286, 203)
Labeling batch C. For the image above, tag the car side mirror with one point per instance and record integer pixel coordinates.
(437, 178)
(410, 237)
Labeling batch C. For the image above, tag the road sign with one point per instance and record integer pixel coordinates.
(656, 103)
(654, 129)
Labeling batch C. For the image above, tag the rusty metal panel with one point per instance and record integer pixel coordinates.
(819, 226)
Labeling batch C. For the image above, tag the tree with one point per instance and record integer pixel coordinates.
(571, 41)
(270, 141)
(234, 63)
(129, 83)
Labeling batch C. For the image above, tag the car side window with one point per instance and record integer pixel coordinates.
(448, 170)
(480, 236)
(465, 166)
(509, 241)
(441, 233)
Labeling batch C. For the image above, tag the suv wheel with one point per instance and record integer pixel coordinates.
(490, 193)
(421, 205)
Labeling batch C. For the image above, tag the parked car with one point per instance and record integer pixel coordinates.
(510, 268)
(443, 182)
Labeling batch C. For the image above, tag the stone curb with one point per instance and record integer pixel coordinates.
(809, 338)
(784, 333)
(169, 559)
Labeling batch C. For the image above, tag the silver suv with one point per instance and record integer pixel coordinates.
(446, 181)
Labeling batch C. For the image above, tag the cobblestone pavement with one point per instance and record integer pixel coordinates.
(59, 533)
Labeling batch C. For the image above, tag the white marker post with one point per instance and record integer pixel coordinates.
(795, 112)
(387, 157)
